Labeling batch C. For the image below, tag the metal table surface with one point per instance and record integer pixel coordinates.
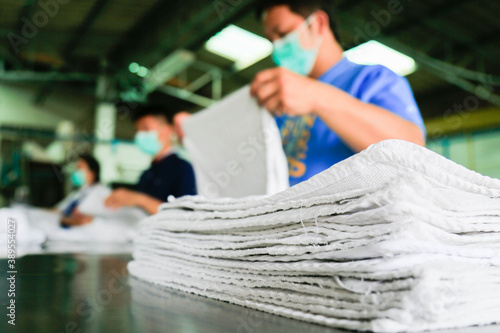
(73, 293)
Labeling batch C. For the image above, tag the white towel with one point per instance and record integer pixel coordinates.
(396, 238)
(235, 147)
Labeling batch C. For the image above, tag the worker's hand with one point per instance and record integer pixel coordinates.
(283, 92)
(122, 198)
(81, 219)
(77, 219)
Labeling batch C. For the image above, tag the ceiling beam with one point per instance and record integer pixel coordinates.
(26, 12)
(417, 12)
(349, 4)
(68, 51)
(83, 29)
(190, 24)
(434, 66)
(483, 41)
(415, 20)
(29, 76)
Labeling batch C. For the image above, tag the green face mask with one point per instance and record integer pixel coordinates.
(78, 178)
(290, 54)
(148, 142)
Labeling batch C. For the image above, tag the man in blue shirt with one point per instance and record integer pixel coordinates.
(168, 174)
(327, 107)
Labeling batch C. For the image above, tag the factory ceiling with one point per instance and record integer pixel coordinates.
(56, 42)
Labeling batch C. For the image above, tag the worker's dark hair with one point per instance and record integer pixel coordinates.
(153, 110)
(93, 166)
(303, 8)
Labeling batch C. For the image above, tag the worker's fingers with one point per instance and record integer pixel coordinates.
(274, 105)
(108, 201)
(82, 220)
(267, 91)
(261, 78)
(112, 200)
(114, 205)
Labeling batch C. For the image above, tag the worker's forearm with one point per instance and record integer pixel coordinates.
(149, 204)
(361, 124)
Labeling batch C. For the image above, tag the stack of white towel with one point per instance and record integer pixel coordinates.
(396, 238)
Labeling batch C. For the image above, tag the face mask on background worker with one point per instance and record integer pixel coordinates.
(148, 142)
(78, 178)
(290, 53)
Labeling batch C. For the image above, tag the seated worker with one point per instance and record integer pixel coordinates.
(168, 174)
(86, 178)
(327, 108)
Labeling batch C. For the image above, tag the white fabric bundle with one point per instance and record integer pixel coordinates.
(235, 147)
(108, 231)
(396, 238)
(17, 233)
(93, 205)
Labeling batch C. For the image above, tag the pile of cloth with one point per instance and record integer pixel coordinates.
(17, 234)
(396, 238)
(38, 230)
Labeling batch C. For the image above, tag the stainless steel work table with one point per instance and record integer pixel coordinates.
(94, 293)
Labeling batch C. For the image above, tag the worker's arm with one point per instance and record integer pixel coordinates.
(126, 198)
(358, 124)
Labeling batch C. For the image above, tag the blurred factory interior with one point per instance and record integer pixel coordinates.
(72, 71)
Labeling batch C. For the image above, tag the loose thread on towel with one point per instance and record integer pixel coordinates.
(301, 221)
(317, 228)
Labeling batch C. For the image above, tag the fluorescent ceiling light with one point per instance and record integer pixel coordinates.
(239, 45)
(375, 53)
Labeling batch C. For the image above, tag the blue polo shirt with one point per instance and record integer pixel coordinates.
(312, 147)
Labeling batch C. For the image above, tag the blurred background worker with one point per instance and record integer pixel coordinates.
(86, 178)
(168, 174)
(327, 107)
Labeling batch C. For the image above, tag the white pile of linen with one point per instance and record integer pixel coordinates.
(17, 235)
(396, 238)
(39, 230)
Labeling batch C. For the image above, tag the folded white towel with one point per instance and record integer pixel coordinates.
(396, 238)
